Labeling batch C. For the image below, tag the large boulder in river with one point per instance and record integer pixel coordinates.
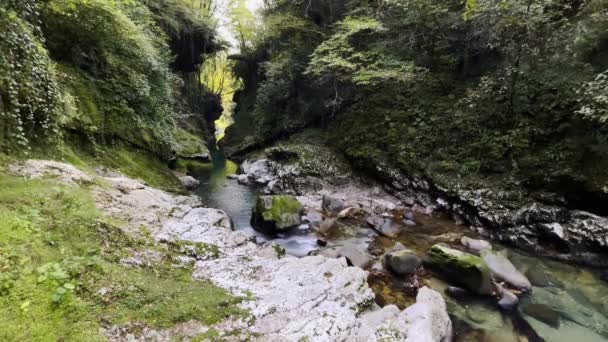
(503, 270)
(273, 214)
(402, 261)
(332, 206)
(461, 268)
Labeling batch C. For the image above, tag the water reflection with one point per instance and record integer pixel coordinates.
(216, 191)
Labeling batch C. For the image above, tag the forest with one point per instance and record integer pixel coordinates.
(304, 170)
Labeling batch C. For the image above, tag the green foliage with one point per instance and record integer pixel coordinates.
(106, 73)
(348, 57)
(467, 90)
(117, 47)
(29, 94)
(595, 99)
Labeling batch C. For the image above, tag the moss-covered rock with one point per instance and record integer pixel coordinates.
(461, 268)
(276, 213)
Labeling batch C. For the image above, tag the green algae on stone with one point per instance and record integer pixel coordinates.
(276, 213)
(462, 268)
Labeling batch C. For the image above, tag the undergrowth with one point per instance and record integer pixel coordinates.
(61, 279)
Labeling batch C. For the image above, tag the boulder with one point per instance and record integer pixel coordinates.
(543, 313)
(475, 245)
(189, 182)
(243, 179)
(461, 268)
(503, 270)
(538, 277)
(402, 261)
(332, 206)
(355, 255)
(273, 214)
(428, 318)
(258, 171)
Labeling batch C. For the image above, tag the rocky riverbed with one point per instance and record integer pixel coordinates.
(494, 293)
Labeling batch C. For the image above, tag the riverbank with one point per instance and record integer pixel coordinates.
(236, 289)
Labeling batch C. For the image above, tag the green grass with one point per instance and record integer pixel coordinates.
(131, 162)
(57, 252)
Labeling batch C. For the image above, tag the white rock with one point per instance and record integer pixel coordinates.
(65, 173)
(243, 179)
(189, 182)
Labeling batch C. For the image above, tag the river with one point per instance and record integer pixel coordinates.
(576, 293)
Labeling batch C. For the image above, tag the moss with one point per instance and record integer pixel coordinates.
(189, 145)
(462, 268)
(192, 166)
(284, 211)
(162, 298)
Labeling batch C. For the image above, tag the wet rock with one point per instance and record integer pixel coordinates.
(503, 270)
(243, 179)
(543, 313)
(475, 245)
(321, 242)
(538, 277)
(384, 225)
(457, 292)
(351, 212)
(461, 268)
(276, 213)
(508, 301)
(402, 261)
(232, 176)
(409, 223)
(570, 308)
(189, 182)
(354, 254)
(408, 215)
(332, 206)
(327, 226)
